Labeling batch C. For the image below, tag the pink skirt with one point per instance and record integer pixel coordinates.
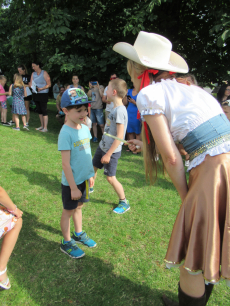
(200, 238)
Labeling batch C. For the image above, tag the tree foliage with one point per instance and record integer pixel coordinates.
(69, 35)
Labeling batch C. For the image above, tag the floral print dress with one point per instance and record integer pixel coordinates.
(7, 221)
(18, 105)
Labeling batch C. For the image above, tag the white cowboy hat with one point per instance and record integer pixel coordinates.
(153, 51)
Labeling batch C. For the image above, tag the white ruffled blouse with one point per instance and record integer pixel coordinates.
(185, 107)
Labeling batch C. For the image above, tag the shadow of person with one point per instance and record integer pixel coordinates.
(48, 277)
(49, 181)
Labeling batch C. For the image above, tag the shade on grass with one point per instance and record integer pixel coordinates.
(126, 268)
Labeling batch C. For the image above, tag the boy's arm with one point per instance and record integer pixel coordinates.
(75, 192)
(120, 134)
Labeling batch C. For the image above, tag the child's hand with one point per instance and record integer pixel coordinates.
(18, 213)
(91, 182)
(135, 145)
(75, 194)
(105, 159)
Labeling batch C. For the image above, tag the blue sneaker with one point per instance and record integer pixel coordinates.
(71, 249)
(95, 139)
(91, 189)
(84, 239)
(122, 207)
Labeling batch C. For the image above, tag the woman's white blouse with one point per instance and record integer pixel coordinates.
(185, 107)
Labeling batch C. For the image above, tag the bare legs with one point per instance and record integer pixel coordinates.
(65, 221)
(95, 129)
(3, 115)
(44, 121)
(8, 243)
(115, 183)
(27, 105)
(16, 118)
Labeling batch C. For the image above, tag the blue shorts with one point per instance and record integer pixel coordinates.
(97, 116)
(110, 169)
(70, 204)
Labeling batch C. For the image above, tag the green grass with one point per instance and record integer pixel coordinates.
(127, 266)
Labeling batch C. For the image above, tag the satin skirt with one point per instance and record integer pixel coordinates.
(200, 238)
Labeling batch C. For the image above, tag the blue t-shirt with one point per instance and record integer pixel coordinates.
(78, 142)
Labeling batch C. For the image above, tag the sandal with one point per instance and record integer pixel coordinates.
(40, 128)
(5, 284)
(43, 130)
(128, 150)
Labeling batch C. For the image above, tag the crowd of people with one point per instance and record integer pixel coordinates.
(176, 114)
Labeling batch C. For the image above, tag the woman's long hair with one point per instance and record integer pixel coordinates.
(149, 150)
(18, 80)
(221, 93)
(23, 67)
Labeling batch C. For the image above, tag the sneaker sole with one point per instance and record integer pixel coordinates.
(71, 255)
(85, 244)
(122, 212)
(91, 191)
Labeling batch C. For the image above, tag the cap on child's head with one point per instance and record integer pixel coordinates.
(73, 96)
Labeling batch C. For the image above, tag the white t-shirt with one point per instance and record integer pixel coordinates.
(109, 107)
(185, 107)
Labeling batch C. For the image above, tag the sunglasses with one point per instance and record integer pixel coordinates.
(113, 78)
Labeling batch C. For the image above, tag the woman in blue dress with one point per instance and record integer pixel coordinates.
(134, 124)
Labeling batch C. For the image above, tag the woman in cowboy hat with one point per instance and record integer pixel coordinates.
(179, 113)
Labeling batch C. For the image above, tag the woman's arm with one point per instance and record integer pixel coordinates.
(171, 157)
(25, 93)
(31, 79)
(10, 90)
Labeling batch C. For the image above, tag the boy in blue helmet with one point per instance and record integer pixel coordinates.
(78, 172)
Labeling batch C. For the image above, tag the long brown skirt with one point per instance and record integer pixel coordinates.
(201, 233)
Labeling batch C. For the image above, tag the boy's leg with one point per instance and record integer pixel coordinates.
(77, 218)
(95, 130)
(65, 223)
(110, 172)
(68, 245)
(80, 236)
(116, 186)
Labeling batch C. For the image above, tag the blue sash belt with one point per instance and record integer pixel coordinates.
(209, 134)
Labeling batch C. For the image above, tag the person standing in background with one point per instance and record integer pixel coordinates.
(109, 105)
(26, 79)
(43, 83)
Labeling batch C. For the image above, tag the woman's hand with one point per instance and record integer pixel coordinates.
(132, 101)
(39, 89)
(135, 145)
(90, 85)
(18, 213)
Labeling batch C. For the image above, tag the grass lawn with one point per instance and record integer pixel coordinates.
(126, 268)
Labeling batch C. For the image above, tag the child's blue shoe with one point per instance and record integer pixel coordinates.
(84, 239)
(95, 139)
(122, 207)
(71, 249)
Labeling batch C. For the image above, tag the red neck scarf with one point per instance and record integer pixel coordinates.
(145, 80)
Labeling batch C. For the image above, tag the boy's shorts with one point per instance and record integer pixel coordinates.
(110, 169)
(97, 116)
(70, 204)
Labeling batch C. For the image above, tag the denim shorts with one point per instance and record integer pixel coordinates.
(70, 204)
(97, 116)
(110, 169)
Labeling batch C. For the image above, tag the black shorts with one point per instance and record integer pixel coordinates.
(28, 98)
(70, 204)
(110, 169)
